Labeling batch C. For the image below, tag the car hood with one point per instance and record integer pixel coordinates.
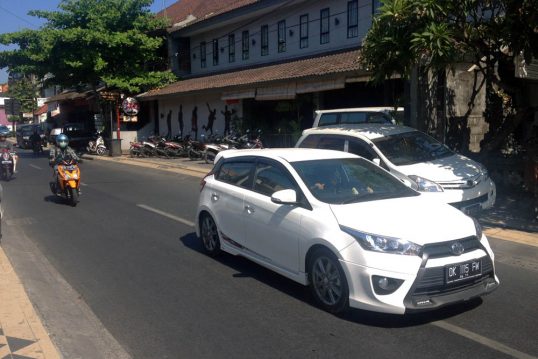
(452, 168)
(416, 219)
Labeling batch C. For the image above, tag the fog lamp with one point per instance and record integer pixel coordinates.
(385, 285)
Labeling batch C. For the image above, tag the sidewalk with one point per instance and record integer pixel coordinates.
(21, 333)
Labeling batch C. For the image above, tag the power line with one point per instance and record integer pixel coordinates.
(18, 17)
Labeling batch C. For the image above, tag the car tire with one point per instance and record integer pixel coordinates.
(328, 283)
(209, 234)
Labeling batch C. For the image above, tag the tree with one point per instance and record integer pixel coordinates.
(92, 42)
(25, 91)
(433, 35)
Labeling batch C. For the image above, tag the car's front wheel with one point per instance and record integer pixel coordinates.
(328, 282)
(210, 235)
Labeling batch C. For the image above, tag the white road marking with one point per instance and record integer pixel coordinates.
(483, 340)
(167, 215)
(34, 166)
(83, 184)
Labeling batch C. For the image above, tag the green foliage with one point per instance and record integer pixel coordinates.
(435, 34)
(26, 92)
(93, 41)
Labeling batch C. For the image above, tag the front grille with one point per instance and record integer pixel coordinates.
(432, 281)
(459, 205)
(443, 249)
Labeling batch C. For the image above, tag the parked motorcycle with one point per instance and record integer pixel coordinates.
(68, 181)
(7, 164)
(98, 146)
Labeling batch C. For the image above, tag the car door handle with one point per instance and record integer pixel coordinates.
(214, 197)
(249, 209)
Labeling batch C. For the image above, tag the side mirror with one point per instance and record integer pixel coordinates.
(285, 196)
(377, 161)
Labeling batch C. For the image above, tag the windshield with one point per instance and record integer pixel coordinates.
(349, 180)
(411, 147)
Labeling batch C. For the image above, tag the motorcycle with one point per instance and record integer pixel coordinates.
(37, 147)
(68, 184)
(7, 164)
(98, 146)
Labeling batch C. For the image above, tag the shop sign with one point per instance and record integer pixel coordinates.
(130, 106)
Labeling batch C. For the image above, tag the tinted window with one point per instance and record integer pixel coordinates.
(348, 180)
(327, 142)
(328, 119)
(268, 179)
(236, 173)
(411, 147)
(361, 148)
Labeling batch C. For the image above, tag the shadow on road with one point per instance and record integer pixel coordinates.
(248, 269)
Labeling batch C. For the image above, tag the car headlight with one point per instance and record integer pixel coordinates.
(425, 185)
(383, 244)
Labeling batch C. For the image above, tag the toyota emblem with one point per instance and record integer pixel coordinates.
(457, 248)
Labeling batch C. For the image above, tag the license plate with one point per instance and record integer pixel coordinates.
(70, 168)
(6, 162)
(462, 271)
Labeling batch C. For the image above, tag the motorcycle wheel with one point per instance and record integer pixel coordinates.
(5, 174)
(73, 196)
(101, 150)
(209, 156)
(194, 155)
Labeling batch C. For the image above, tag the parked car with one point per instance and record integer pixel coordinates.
(350, 230)
(4, 130)
(416, 158)
(79, 135)
(354, 116)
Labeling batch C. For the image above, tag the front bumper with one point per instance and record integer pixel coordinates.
(424, 286)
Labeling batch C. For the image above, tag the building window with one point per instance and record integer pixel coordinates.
(353, 18)
(324, 26)
(265, 40)
(282, 36)
(231, 48)
(245, 44)
(203, 62)
(303, 31)
(215, 52)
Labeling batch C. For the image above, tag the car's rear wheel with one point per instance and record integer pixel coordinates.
(209, 234)
(328, 282)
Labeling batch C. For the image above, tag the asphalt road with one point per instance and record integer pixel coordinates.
(133, 267)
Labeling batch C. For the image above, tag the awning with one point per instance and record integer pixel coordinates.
(273, 81)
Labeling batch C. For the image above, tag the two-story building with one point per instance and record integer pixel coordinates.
(263, 64)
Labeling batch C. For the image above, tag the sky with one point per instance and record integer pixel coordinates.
(14, 17)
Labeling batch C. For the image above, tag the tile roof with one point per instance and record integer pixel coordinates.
(198, 10)
(311, 68)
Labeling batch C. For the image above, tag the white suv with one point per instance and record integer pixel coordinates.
(416, 158)
(358, 115)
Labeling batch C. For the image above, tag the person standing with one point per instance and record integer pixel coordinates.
(180, 120)
(194, 122)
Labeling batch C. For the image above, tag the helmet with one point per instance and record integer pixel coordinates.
(62, 140)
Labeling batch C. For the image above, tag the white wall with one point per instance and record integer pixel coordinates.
(338, 35)
(188, 103)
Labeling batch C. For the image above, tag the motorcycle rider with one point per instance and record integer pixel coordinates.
(5, 144)
(35, 139)
(58, 154)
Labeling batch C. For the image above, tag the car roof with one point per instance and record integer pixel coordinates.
(368, 130)
(286, 154)
(361, 109)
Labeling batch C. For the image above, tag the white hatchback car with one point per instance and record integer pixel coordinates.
(352, 231)
(416, 158)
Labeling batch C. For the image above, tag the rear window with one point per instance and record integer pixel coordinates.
(327, 142)
(328, 119)
(354, 118)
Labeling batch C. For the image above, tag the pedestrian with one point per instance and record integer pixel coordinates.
(180, 120)
(194, 122)
(210, 119)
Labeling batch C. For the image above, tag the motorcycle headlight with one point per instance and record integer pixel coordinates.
(383, 244)
(425, 185)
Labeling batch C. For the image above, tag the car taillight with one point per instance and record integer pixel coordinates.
(203, 181)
